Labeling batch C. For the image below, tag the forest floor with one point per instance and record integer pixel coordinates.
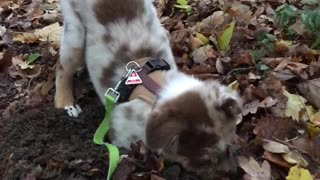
(267, 50)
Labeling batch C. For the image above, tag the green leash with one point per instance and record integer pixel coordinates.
(102, 130)
(112, 95)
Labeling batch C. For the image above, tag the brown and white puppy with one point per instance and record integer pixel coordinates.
(191, 122)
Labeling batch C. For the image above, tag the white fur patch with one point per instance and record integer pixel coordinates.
(127, 130)
(177, 83)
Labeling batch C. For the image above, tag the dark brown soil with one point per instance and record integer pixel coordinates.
(47, 144)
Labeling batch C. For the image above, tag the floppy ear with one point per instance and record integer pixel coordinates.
(231, 107)
(162, 128)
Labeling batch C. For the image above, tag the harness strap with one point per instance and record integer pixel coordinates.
(149, 83)
(149, 67)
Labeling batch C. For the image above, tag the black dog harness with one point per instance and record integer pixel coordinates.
(149, 67)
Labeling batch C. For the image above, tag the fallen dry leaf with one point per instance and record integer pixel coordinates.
(34, 10)
(5, 61)
(294, 106)
(243, 59)
(309, 146)
(253, 106)
(299, 173)
(224, 37)
(234, 85)
(47, 86)
(195, 42)
(272, 84)
(33, 72)
(219, 66)
(252, 93)
(313, 115)
(254, 170)
(242, 12)
(272, 128)
(275, 147)
(35, 98)
(311, 91)
(49, 33)
(25, 37)
(201, 54)
(283, 75)
(252, 76)
(276, 159)
(314, 69)
(212, 23)
(313, 129)
(123, 170)
(294, 157)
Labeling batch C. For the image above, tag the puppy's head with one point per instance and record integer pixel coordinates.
(195, 127)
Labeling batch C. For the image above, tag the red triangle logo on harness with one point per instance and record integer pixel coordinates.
(133, 78)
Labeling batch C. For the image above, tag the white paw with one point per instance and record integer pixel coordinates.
(73, 111)
(123, 156)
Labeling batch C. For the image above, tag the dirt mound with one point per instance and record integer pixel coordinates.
(45, 143)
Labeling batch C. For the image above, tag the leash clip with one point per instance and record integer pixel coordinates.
(132, 65)
(113, 93)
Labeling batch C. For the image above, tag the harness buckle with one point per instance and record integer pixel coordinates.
(157, 64)
(113, 93)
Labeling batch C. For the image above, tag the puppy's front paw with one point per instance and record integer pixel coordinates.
(73, 110)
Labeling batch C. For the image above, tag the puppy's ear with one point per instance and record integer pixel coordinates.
(162, 128)
(232, 107)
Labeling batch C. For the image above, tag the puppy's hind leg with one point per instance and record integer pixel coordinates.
(71, 58)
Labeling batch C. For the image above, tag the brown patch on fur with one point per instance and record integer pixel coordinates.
(120, 58)
(149, 52)
(107, 74)
(184, 113)
(106, 38)
(193, 144)
(108, 11)
(124, 48)
(183, 129)
(144, 52)
(60, 67)
(231, 108)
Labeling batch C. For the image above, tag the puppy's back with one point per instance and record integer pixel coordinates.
(116, 32)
